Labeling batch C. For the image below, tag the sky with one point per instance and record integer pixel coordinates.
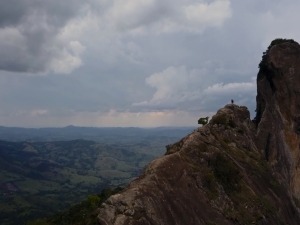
(137, 63)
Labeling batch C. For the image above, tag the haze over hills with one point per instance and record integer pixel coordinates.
(88, 133)
(46, 170)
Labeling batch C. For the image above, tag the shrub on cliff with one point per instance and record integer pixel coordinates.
(203, 120)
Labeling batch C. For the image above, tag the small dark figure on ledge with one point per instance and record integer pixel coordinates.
(232, 102)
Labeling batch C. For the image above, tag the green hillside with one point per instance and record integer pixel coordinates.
(38, 179)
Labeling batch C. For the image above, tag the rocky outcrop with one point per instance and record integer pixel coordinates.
(278, 111)
(232, 170)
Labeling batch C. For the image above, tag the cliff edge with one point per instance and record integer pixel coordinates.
(278, 111)
(232, 170)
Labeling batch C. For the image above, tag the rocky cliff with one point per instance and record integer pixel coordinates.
(232, 170)
(278, 111)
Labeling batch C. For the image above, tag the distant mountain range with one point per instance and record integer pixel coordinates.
(46, 170)
(88, 133)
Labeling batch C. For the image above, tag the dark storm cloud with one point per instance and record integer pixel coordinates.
(29, 32)
(15, 12)
(11, 12)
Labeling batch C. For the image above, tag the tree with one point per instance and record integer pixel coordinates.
(203, 120)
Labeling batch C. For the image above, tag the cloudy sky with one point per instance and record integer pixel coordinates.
(133, 62)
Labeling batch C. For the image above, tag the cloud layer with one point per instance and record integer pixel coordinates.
(30, 38)
(37, 36)
(141, 16)
(133, 62)
(180, 89)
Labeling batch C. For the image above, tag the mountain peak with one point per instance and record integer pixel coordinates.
(278, 111)
(232, 170)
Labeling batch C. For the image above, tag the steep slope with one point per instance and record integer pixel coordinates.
(232, 170)
(213, 176)
(278, 111)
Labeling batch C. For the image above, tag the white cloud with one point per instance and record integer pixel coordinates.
(154, 16)
(30, 39)
(280, 21)
(41, 39)
(67, 59)
(11, 36)
(178, 88)
(212, 14)
(221, 89)
(243, 93)
(173, 85)
(127, 14)
(38, 112)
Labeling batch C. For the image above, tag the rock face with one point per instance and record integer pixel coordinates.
(278, 111)
(232, 170)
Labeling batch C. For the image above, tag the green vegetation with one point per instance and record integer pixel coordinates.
(84, 213)
(203, 120)
(62, 173)
(45, 177)
(223, 119)
(220, 119)
(263, 63)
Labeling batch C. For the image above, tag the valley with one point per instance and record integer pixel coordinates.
(44, 173)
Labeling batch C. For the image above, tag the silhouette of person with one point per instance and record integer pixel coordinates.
(232, 101)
